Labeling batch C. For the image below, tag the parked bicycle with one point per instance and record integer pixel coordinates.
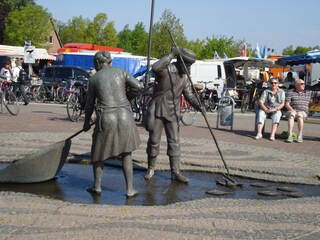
(187, 112)
(8, 99)
(77, 101)
(250, 99)
(209, 97)
(28, 88)
(54, 92)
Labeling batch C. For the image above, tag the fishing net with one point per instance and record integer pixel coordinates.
(39, 166)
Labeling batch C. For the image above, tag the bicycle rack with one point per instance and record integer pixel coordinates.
(225, 112)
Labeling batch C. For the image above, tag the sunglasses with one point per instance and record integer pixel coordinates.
(301, 84)
(273, 83)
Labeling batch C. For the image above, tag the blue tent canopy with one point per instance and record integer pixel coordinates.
(309, 57)
(134, 65)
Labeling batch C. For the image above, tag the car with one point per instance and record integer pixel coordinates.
(56, 74)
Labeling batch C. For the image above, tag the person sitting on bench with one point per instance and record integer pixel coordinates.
(271, 102)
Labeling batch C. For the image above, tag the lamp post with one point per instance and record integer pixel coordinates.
(146, 84)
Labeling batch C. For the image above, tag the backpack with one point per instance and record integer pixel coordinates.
(23, 76)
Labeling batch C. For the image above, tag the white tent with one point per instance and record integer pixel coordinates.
(15, 51)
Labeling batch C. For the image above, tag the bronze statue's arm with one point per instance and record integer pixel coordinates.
(162, 64)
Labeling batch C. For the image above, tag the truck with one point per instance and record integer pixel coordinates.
(312, 77)
(211, 72)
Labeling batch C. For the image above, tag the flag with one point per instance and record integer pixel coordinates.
(225, 56)
(244, 51)
(264, 52)
(216, 55)
(256, 52)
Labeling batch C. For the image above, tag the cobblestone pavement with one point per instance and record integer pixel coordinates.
(26, 216)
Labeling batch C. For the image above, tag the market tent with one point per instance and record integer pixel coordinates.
(16, 51)
(309, 57)
(249, 62)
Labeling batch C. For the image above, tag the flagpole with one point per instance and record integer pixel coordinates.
(146, 84)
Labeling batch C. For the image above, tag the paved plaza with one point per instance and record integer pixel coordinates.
(28, 216)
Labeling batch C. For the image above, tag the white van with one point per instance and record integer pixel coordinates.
(209, 71)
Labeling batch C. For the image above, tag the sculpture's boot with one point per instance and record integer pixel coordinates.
(175, 170)
(151, 164)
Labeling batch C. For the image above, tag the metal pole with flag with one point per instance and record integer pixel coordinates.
(257, 52)
(146, 84)
(216, 55)
(244, 50)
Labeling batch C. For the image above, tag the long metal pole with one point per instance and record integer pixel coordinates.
(146, 84)
(203, 114)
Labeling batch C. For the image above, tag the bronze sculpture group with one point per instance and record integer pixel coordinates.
(115, 132)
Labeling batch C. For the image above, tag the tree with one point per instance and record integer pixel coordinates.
(6, 6)
(299, 50)
(221, 44)
(139, 40)
(30, 23)
(196, 46)
(74, 30)
(99, 31)
(161, 41)
(134, 41)
(125, 39)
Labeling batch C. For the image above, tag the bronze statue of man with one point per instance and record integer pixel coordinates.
(171, 81)
(115, 132)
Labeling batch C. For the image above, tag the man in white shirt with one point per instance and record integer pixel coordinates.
(17, 84)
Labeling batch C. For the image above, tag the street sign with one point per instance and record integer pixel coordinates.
(29, 54)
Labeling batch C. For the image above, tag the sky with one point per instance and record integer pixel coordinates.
(275, 24)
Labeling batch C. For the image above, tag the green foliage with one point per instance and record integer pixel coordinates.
(221, 44)
(99, 31)
(125, 39)
(29, 23)
(6, 6)
(299, 50)
(74, 30)
(134, 41)
(196, 46)
(161, 41)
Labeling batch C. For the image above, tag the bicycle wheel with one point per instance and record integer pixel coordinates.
(74, 107)
(11, 103)
(39, 94)
(188, 115)
(213, 104)
(60, 95)
(245, 102)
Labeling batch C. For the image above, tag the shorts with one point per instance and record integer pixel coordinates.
(275, 117)
(295, 114)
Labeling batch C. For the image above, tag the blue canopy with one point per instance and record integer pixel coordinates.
(132, 64)
(309, 57)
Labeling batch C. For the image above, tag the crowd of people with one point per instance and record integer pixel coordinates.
(11, 74)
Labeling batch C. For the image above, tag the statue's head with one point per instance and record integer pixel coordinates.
(188, 57)
(101, 58)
